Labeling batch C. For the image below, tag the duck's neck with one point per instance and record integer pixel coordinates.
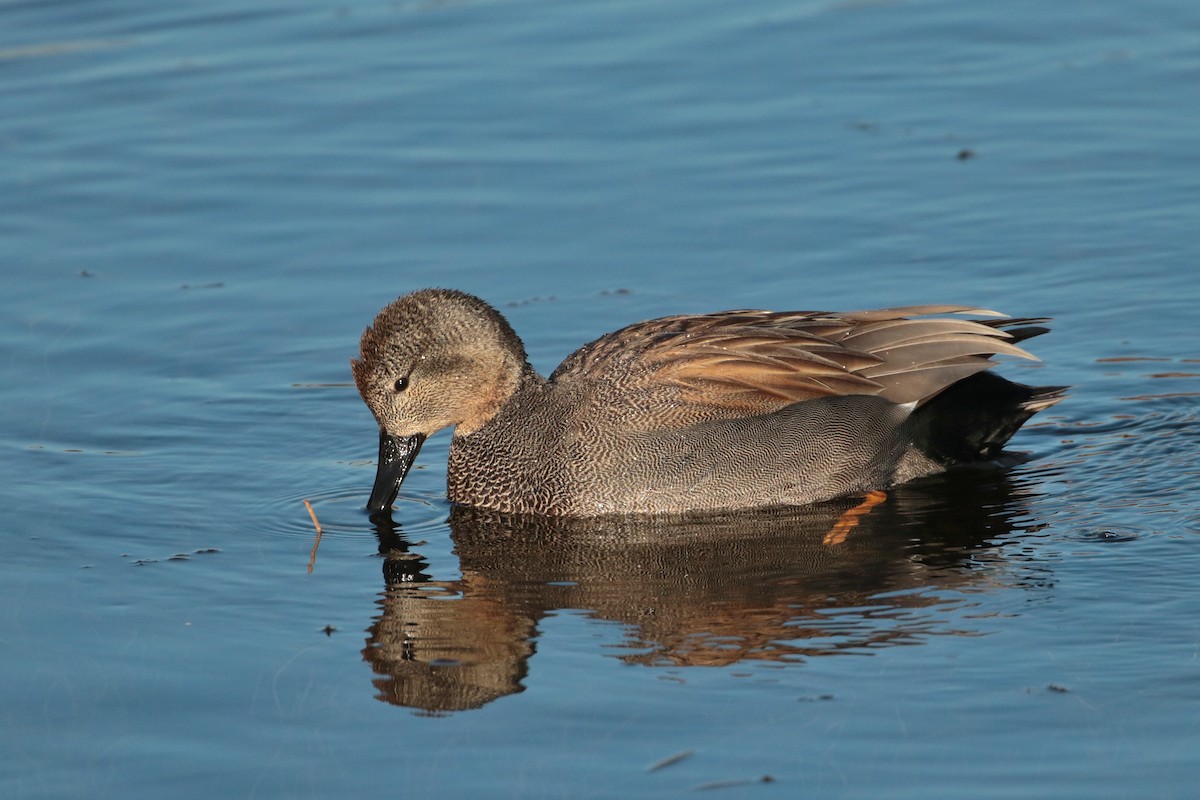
(511, 384)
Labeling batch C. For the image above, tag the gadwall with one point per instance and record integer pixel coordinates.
(730, 410)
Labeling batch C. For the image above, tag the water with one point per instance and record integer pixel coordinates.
(202, 208)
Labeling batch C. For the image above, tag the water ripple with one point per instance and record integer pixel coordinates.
(1144, 462)
(341, 511)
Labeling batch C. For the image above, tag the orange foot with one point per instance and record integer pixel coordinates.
(841, 529)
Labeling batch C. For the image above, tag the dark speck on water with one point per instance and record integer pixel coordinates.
(530, 301)
(203, 207)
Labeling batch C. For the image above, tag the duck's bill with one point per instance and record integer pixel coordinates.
(396, 455)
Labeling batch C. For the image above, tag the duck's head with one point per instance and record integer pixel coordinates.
(433, 359)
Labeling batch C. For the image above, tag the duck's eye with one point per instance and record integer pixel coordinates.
(401, 384)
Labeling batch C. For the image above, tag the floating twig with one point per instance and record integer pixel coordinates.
(312, 557)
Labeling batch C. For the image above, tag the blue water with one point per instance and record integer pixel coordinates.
(201, 207)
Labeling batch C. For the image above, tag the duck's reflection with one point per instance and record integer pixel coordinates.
(712, 590)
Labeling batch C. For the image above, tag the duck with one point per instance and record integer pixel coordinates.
(691, 413)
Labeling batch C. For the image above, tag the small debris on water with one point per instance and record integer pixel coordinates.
(705, 787)
(670, 760)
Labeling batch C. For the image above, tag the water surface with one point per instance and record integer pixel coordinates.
(201, 208)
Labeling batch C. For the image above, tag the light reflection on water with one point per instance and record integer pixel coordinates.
(714, 590)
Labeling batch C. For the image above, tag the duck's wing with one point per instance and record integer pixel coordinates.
(752, 362)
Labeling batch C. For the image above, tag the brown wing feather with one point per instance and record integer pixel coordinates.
(898, 331)
(749, 362)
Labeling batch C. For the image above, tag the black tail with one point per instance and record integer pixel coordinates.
(971, 420)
